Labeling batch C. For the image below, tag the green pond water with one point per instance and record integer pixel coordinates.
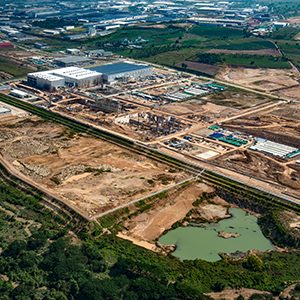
(204, 243)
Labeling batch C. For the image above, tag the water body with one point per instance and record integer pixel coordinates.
(204, 242)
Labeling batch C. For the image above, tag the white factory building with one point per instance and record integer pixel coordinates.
(70, 76)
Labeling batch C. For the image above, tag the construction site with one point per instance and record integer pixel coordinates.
(280, 82)
(144, 106)
(90, 175)
(178, 114)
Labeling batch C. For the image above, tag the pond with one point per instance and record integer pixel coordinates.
(204, 242)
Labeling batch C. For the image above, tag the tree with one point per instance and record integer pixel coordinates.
(15, 248)
(254, 263)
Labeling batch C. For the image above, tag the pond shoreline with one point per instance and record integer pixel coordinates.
(240, 233)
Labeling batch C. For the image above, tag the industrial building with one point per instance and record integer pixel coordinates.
(71, 76)
(69, 61)
(112, 72)
(275, 149)
(18, 94)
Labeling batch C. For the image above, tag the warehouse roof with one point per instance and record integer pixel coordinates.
(46, 75)
(75, 73)
(69, 72)
(72, 59)
(117, 68)
(274, 148)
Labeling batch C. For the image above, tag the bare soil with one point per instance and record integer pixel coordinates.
(200, 67)
(211, 212)
(237, 99)
(291, 221)
(273, 52)
(260, 166)
(229, 294)
(88, 173)
(261, 79)
(198, 108)
(149, 225)
(291, 93)
(279, 126)
(291, 111)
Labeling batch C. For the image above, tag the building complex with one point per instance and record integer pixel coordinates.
(80, 77)
(70, 76)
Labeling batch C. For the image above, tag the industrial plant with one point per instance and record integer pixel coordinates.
(70, 76)
(83, 78)
(112, 72)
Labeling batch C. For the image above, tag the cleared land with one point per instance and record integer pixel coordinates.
(87, 173)
(149, 226)
(198, 108)
(273, 52)
(199, 67)
(13, 64)
(269, 80)
(145, 228)
(281, 125)
(237, 99)
(260, 166)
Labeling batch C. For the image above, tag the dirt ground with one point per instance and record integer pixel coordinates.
(261, 166)
(88, 173)
(294, 20)
(148, 226)
(230, 294)
(198, 108)
(291, 93)
(280, 126)
(291, 111)
(237, 99)
(211, 212)
(291, 221)
(200, 67)
(273, 52)
(267, 80)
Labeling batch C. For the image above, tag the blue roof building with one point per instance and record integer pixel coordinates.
(112, 72)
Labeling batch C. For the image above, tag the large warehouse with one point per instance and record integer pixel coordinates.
(71, 76)
(70, 61)
(112, 72)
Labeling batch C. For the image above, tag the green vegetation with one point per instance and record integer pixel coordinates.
(248, 45)
(13, 68)
(55, 259)
(214, 32)
(245, 60)
(291, 50)
(171, 45)
(287, 8)
(273, 227)
(286, 33)
(256, 61)
(52, 23)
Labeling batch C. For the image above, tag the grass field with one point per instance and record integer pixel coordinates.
(248, 44)
(12, 68)
(291, 50)
(255, 61)
(172, 45)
